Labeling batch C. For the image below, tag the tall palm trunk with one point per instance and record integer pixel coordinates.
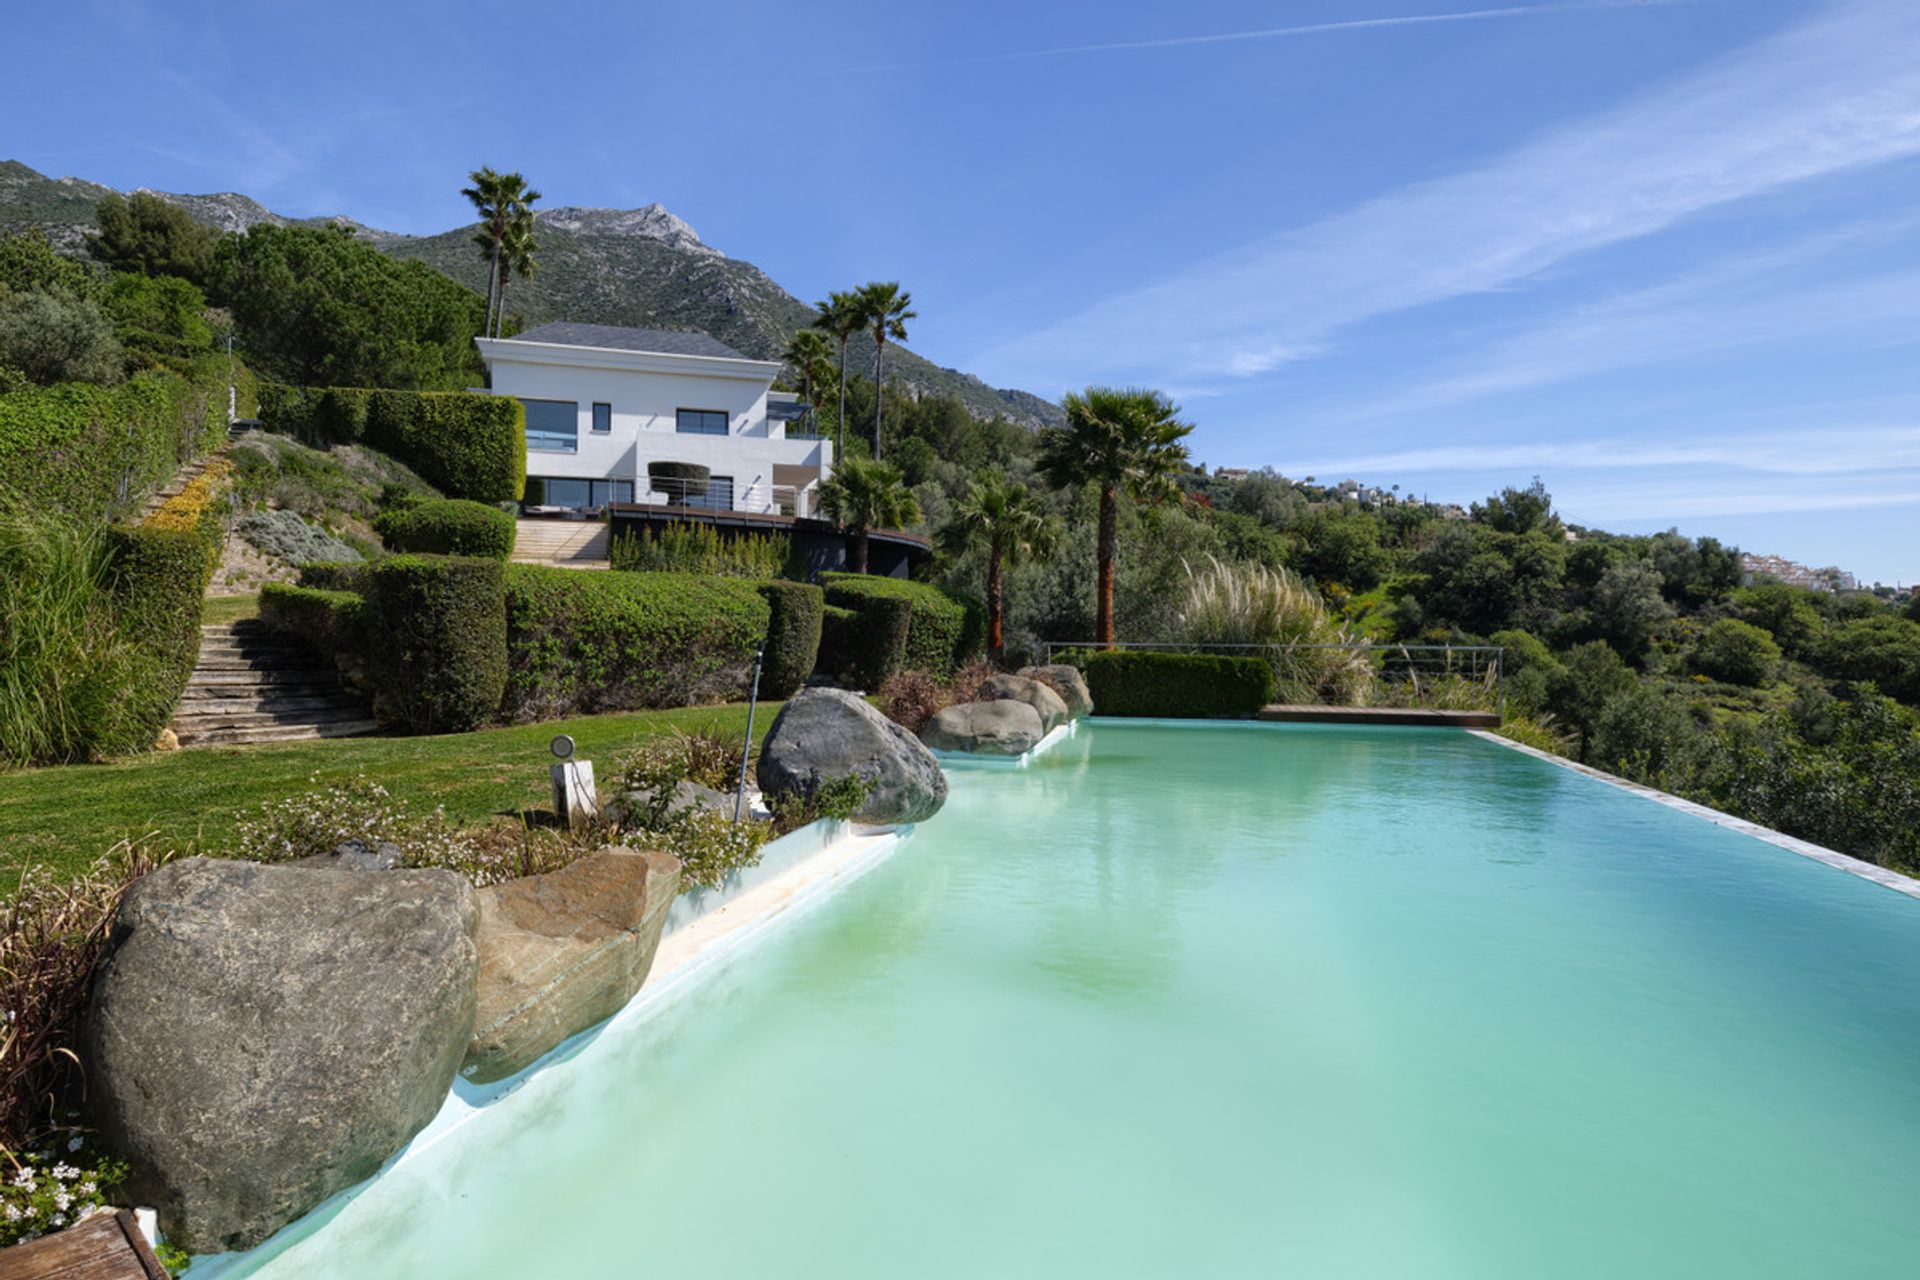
(995, 639)
(500, 317)
(879, 388)
(493, 277)
(857, 553)
(1105, 550)
(840, 417)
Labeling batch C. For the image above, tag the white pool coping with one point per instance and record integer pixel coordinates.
(1792, 844)
(799, 871)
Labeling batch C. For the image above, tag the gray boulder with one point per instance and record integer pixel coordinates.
(637, 808)
(1069, 683)
(823, 734)
(261, 1037)
(356, 855)
(564, 951)
(986, 728)
(1050, 707)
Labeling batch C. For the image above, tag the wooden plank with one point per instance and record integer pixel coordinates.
(107, 1246)
(1297, 713)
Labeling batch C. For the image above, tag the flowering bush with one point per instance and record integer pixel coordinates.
(912, 698)
(323, 819)
(711, 845)
(39, 1196)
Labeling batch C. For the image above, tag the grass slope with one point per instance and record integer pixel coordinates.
(191, 800)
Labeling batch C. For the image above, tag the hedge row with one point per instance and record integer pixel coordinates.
(864, 647)
(355, 576)
(159, 574)
(438, 641)
(449, 527)
(95, 453)
(793, 636)
(946, 629)
(465, 444)
(334, 622)
(1175, 685)
(590, 642)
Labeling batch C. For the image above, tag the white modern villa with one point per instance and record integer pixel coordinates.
(603, 402)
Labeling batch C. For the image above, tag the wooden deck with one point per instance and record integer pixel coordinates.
(1296, 713)
(107, 1246)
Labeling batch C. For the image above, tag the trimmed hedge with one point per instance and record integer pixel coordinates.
(864, 647)
(590, 642)
(95, 453)
(448, 527)
(355, 576)
(159, 575)
(465, 444)
(438, 644)
(334, 622)
(793, 636)
(947, 629)
(1175, 685)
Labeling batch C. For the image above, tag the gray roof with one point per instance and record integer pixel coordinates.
(672, 342)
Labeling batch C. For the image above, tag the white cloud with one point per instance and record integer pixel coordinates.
(1835, 94)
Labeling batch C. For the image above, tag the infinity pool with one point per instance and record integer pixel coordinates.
(1235, 1001)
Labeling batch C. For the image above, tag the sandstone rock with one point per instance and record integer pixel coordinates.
(1048, 704)
(1005, 728)
(261, 1037)
(167, 741)
(1069, 683)
(822, 734)
(564, 951)
(356, 855)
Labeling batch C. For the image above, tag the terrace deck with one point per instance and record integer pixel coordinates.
(107, 1246)
(1298, 713)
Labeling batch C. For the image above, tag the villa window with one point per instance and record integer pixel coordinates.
(553, 426)
(702, 422)
(602, 418)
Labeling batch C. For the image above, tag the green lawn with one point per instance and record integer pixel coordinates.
(224, 609)
(65, 817)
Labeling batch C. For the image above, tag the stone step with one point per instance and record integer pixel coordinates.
(201, 721)
(274, 675)
(275, 701)
(242, 661)
(282, 733)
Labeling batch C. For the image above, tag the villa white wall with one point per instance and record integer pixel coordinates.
(646, 404)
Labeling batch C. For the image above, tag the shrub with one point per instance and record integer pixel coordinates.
(698, 548)
(285, 535)
(1252, 604)
(334, 622)
(53, 338)
(337, 575)
(864, 647)
(440, 661)
(945, 629)
(1884, 649)
(159, 576)
(793, 636)
(912, 698)
(1180, 685)
(448, 526)
(1736, 652)
(1539, 734)
(1645, 734)
(465, 444)
(590, 642)
(708, 842)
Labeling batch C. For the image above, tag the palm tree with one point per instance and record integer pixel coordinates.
(810, 353)
(1007, 517)
(497, 197)
(516, 255)
(842, 316)
(864, 494)
(1124, 441)
(884, 306)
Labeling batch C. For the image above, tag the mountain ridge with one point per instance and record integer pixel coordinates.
(643, 267)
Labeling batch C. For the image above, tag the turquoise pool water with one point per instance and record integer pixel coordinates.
(1236, 1001)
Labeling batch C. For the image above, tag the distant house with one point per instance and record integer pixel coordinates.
(603, 402)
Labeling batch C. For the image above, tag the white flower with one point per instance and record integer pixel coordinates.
(89, 1188)
(13, 1213)
(58, 1219)
(65, 1172)
(62, 1201)
(25, 1178)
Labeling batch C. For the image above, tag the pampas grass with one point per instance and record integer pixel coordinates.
(1250, 604)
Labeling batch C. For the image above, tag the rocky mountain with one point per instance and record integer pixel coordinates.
(642, 267)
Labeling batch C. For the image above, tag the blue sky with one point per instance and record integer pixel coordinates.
(1664, 255)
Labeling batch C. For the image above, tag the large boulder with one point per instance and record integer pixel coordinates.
(1069, 683)
(261, 1037)
(1050, 707)
(644, 807)
(986, 728)
(564, 951)
(823, 734)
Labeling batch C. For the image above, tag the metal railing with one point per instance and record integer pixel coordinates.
(1447, 677)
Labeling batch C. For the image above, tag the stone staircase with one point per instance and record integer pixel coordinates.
(256, 685)
(570, 544)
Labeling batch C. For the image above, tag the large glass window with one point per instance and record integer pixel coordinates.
(553, 426)
(603, 418)
(580, 495)
(718, 497)
(702, 422)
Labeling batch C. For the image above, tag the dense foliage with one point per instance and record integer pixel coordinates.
(945, 628)
(448, 526)
(592, 642)
(317, 306)
(439, 657)
(1127, 682)
(145, 235)
(466, 445)
(865, 646)
(700, 548)
(793, 636)
(334, 622)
